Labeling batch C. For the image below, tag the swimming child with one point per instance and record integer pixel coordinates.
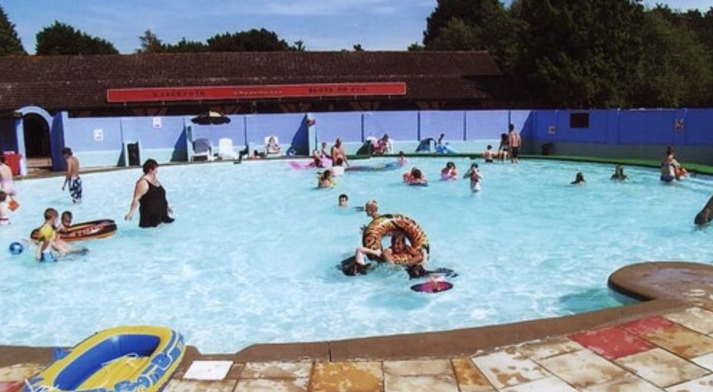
(449, 172)
(65, 221)
(474, 174)
(415, 177)
(488, 155)
(401, 158)
(46, 241)
(618, 173)
(343, 200)
(4, 209)
(579, 179)
(326, 179)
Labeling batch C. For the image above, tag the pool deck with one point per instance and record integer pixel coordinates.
(662, 344)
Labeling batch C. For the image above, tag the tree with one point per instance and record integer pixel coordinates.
(299, 46)
(184, 46)
(472, 25)
(150, 43)
(675, 69)
(358, 48)
(458, 35)
(9, 41)
(579, 53)
(247, 41)
(63, 39)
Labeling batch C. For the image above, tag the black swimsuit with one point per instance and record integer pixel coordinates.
(153, 208)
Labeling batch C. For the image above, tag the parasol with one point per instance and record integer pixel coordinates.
(210, 117)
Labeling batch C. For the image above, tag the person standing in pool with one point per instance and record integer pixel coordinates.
(7, 184)
(72, 177)
(150, 197)
(514, 142)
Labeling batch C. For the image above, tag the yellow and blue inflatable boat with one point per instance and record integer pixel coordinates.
(140, 358)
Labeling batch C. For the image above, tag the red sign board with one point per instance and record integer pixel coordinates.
(159, 94)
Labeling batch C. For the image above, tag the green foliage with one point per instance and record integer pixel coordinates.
(9, 41)
(150, 43)
(675, 67)
(248, 41)
(472, 25)
(63, 39)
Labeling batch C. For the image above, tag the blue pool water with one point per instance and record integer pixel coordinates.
(251, 257)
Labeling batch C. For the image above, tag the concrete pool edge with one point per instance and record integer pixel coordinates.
(669, 285)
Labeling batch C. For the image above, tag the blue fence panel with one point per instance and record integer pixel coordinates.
(284, 126)
(89, 134)
(329, 126)
(646, 126)
(153, 132)
(697, 127)
(234, 130)
(486, 124)
(450, 123)
(399, 125)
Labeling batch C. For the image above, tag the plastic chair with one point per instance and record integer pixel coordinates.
(225, 149)
(202, 150)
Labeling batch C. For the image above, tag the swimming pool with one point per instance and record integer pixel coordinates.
(251, 257)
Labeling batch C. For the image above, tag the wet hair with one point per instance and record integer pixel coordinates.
(67, 151)
(450, 165)
(474, 166)
(66, 214)
(343, 196)
(398, 236)
(325, 175)
(490, 147)
(50, 213)
(416, 173)
(3, 196)
(149, 165)
(2, 158)
(371, 203)
(511, 127)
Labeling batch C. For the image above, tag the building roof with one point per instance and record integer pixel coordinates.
(81, 82)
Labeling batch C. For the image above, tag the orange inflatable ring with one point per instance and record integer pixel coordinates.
(381, 226)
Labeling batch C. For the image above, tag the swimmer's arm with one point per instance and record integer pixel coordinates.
(141, 188)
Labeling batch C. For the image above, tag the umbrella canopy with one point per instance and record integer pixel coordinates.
(210, 117)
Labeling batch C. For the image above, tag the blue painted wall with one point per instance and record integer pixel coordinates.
(611, 133)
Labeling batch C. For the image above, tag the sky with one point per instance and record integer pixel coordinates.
(319, 24)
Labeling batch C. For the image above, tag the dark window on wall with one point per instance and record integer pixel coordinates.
(579, 120)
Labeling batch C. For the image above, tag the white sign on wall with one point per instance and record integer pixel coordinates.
(157, 123)
(98, 135)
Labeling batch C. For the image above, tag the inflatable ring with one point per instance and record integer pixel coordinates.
(84, 231)
(379, 227)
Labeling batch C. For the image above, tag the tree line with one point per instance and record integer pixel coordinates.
(554, 53)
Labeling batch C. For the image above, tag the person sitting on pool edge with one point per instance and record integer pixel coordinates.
(399, 247)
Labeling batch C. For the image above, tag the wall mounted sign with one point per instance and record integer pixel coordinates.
(98, 135)
(206, 93)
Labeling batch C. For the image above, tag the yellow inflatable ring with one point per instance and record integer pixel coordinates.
(381, 226)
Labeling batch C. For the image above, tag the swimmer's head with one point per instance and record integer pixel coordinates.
(343, 200)
(371, 207)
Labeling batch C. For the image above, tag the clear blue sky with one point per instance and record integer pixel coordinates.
(320, 24)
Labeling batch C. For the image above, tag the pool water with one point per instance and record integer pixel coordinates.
(252, 255)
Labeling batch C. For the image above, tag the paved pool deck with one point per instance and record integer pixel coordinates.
(662, 344)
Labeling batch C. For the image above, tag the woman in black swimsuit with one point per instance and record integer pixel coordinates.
(150, 196)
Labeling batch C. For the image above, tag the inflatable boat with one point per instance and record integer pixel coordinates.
(140, 358)
(84, 231)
